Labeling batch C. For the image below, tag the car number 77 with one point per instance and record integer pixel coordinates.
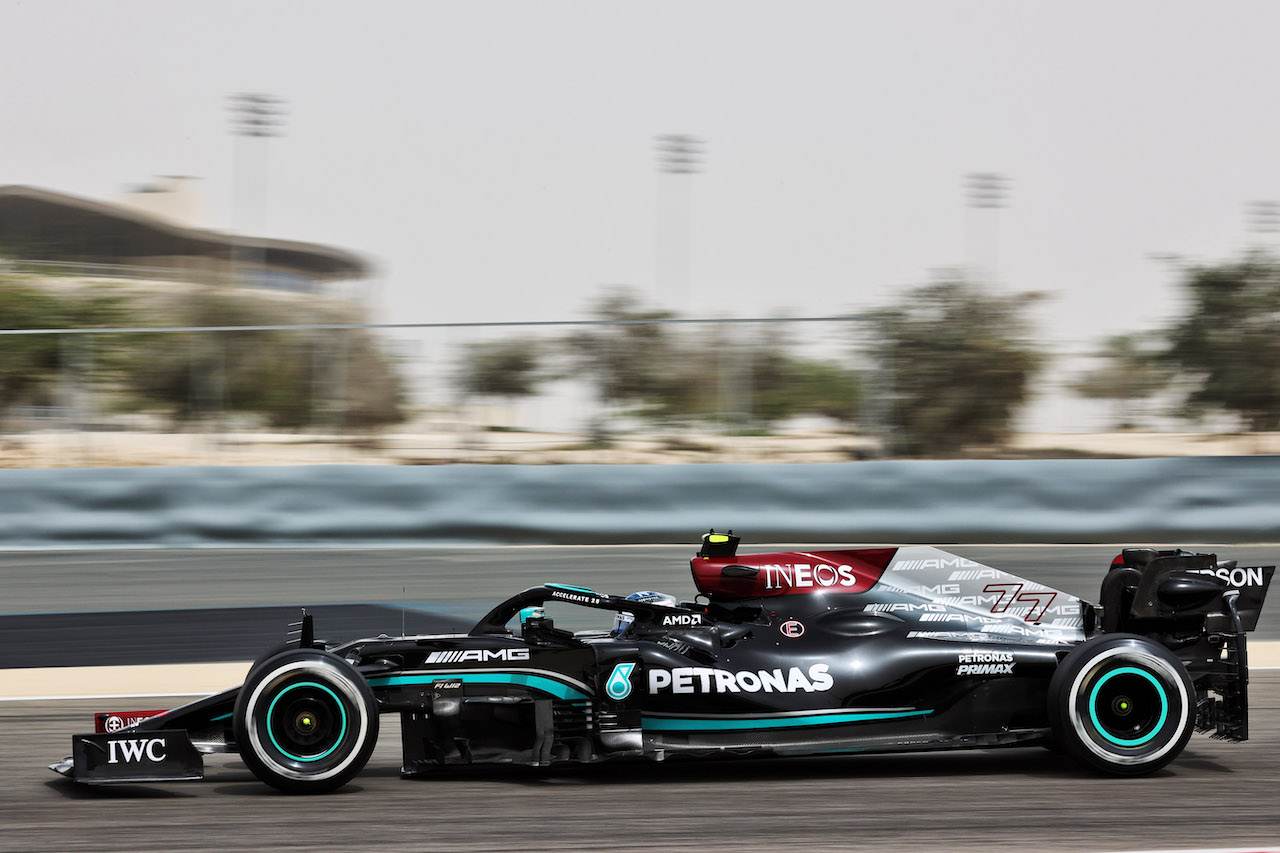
(1011, 593)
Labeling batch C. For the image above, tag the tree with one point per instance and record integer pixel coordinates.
(1228, 342)
(628, 362)
(507, 369)
(504, 368)
(1133, 369)
(753, 379)
(30, 365)
(287, 378)
(663, 375)
(785, 385)
(957, 363)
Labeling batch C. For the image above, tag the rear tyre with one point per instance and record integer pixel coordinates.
(1122, 704)
(305, 721)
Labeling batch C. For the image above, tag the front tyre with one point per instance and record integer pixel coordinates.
(1122, 704)
(305, 721)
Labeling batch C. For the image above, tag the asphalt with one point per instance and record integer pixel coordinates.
(1215, 795)
(192, 636)
(449, 582)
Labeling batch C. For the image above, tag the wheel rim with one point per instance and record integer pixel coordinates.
(1128, 706)
(307, 721)
(301, 720)
(1158, 713)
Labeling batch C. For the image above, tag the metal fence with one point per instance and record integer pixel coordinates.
(714, 389)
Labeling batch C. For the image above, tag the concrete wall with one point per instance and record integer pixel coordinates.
(1218, 499)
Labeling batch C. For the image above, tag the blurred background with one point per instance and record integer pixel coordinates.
(431, 233)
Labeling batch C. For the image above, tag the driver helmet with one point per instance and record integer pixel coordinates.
(622, 622)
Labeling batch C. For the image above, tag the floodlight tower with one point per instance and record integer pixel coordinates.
(985, 194)
(680, 156)
(254, 116)
(1263, 219)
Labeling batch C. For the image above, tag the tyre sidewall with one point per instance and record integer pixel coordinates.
(273, 678)
(1076, 715)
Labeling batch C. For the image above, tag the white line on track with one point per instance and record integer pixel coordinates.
(1258, 849)
(69, 698)
(118, 682)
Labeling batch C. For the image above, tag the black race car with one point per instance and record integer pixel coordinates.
(799, 653)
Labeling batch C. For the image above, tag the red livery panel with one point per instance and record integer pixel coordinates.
(790, 573)
(108, 722)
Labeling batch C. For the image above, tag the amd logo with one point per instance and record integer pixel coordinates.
(682, 619)
(135, 750)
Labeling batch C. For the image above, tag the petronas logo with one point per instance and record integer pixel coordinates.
(619, 684)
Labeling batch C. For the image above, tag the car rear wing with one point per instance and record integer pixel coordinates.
(1200, 608)
(1147, 590)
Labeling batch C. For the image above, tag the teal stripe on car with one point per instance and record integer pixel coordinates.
(570, 588)
(676, 724)
(537, 682)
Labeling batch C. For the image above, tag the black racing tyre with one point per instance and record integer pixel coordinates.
(1122, 704)
(305, 721)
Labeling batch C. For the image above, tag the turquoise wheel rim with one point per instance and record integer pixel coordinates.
(342, 733)
(1155, 730)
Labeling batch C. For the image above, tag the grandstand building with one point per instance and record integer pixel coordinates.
(149, 234)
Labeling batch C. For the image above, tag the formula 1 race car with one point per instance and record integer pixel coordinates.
(798, 653)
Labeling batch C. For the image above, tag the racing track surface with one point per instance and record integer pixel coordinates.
(458, 582)
(82, 608)
(1215, 795)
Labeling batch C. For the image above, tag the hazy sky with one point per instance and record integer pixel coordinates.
(496, 160)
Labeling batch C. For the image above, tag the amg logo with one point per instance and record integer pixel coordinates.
(1009, 628)
(987, 601)
(682, 619)
(135, 750)
(480, 655)
(807, 576)
(936, 563)
(968, 637)
(976, 574)
(1238, 577)
(904, 607)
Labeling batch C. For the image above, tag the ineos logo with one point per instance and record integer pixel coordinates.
(113, 724)
(136, 749)
(791, 628)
